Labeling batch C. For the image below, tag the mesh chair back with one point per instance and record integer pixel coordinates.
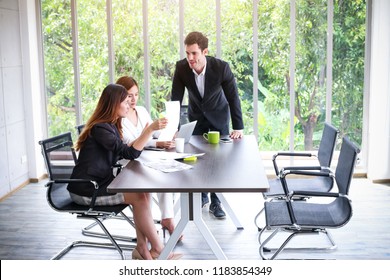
(59, 156)
(59, 198)
(80, 128)
(327, 145)
(346, 165)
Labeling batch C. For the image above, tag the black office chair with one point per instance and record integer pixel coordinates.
(60, 159)
(324, 159)
(305, 217)
(80, 128)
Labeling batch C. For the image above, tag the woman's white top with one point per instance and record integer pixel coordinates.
(131, 132)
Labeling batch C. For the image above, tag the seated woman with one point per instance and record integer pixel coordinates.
(133, 124)
(101, 145)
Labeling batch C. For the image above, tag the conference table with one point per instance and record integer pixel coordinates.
(219, 168)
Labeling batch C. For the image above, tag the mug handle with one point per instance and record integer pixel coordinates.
(206, 136)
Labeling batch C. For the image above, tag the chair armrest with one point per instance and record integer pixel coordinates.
(287, 154)
(72, 181)
(118, 167)
(320, 172)
(302, 168)
(290, 154)
(285, 173)
(313, 194)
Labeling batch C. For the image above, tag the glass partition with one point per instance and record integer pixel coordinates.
(274, 77)
(128, 43)
(163, 23)
(58, 63)
(93, 53)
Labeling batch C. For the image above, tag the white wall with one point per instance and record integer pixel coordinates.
(378, 161)
(13, 160)
(34, 95)
(20, 96)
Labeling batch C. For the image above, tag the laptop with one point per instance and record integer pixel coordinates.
(186, 131)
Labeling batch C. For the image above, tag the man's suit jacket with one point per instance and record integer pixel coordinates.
(220, 99)
(100, 152)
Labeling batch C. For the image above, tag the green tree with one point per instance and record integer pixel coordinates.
(348, 67)
(237, 38)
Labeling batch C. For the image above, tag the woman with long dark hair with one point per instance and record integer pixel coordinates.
(100, 146)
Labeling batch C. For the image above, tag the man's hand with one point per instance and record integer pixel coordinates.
(236, 134)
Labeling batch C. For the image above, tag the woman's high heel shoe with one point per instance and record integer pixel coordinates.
(168, 225)
(175, 256)
(136, 255)
(172, 256)
(170, 233)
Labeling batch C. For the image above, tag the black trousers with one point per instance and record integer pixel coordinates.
(213, 196)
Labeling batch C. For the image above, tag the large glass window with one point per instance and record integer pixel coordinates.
(93, 53)
(348, 67)
(58, 62)
(236, 49)
(201, 16)
(274, 77)
(147, 43)
(163, 27)
(128, 43)
(310, 73)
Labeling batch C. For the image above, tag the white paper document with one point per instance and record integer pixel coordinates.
(172, 113)
(167, 165)
(157, 155)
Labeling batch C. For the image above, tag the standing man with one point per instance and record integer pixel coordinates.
(213, 97)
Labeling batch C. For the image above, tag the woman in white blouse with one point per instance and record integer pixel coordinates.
(137, 118)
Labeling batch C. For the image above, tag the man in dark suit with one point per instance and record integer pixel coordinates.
(213, 96)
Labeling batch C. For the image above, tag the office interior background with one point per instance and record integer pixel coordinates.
(26, 114)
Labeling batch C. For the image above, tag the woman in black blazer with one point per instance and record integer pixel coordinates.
(100, 145)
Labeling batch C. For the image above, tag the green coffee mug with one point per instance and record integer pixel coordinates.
(212, 137)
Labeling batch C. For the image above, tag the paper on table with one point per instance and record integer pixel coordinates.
(173, 115)
(167, 166)
(153, 155)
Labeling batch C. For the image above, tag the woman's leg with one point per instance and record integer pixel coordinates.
(165, 203)
(145, 228)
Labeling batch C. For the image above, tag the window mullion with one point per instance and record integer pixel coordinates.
(76, 62)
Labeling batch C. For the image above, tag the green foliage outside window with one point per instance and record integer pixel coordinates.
(237, 48)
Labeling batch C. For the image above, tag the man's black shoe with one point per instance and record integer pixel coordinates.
(216, 210)
(205, 200)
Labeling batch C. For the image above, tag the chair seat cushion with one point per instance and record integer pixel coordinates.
(60, 200)
(320, 184)
(315, 215)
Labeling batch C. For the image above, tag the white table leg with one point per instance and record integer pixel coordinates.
(198, 221)
(204, 230)
(230, 211)
(185, 217)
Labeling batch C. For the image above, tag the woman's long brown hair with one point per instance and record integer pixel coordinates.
(106, 111)
(127, 81)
